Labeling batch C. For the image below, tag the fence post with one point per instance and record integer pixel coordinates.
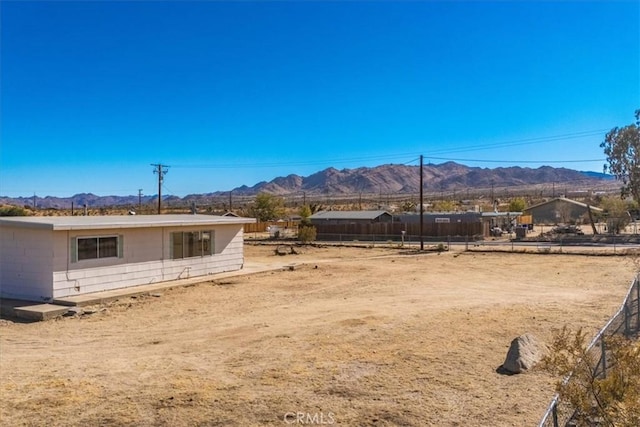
(638, 306)
(448, 243)
(627, 315)
(466, 243)
(603, 351)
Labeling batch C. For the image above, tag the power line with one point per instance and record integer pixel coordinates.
(518, 161)
(299, 163)
(504, 144)
(525, 141)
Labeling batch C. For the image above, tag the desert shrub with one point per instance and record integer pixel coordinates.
(611, 400)
(13, 211)
(517, 205)
(307, 234)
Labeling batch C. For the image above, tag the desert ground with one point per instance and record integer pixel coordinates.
(350, 336)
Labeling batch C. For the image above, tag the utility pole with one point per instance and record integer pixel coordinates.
(139, 199)
(492, 199)
(161, 170)
(421, 206)
(230, 208)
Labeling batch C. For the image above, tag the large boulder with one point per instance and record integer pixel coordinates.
(524, 352)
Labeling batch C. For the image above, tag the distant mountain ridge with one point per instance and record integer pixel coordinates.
(387, 179)
(406, 179)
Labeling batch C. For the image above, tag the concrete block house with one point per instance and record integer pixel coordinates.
(43, 258)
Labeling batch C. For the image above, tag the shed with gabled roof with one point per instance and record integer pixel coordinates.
(560, 211)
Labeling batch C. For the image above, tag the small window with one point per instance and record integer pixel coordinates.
(97, 247)
(189, 244)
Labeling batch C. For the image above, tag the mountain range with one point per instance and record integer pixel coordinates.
(387, 179)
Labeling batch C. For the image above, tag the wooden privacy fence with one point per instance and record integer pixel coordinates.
(261, 227)
(393, 231)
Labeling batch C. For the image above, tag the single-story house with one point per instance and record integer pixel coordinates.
(561, 211)
(350, 217)
(43, 258)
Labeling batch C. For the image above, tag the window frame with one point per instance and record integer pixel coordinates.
(185, 242)
(77, 249)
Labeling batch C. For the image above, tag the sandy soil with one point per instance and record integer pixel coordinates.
(365, 337)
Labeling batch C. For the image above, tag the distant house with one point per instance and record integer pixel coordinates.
(440, 217)
(561, 211)
(43, 258)
(350, 217)
(446, 223)
(372, 225)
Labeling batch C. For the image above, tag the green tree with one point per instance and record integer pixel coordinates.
(517, 205)
(305, 213)
(616, 211)
(267, 207)
(622, 148)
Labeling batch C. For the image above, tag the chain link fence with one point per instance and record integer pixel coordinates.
(625, 321)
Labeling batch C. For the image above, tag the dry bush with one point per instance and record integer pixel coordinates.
(612, 399)
(307, 234)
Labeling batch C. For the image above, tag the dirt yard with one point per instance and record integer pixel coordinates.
(354, 337)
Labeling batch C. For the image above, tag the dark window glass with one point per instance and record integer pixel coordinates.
(107, 247)
(88, 248)
(191, 244)
(97, 247)
(177, 252)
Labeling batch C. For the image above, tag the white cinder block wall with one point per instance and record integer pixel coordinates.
(26, 263)
(146, 259)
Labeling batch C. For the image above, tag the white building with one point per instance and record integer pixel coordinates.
(43, 258)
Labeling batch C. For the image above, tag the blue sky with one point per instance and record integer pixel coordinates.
(232, 93)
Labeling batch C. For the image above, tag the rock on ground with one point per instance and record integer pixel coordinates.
(524, 352)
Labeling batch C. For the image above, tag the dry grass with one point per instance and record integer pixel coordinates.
(367, 336)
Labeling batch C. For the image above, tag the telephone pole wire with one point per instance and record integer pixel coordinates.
(161, 170)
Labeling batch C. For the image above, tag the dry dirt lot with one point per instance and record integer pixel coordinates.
(370, 338)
